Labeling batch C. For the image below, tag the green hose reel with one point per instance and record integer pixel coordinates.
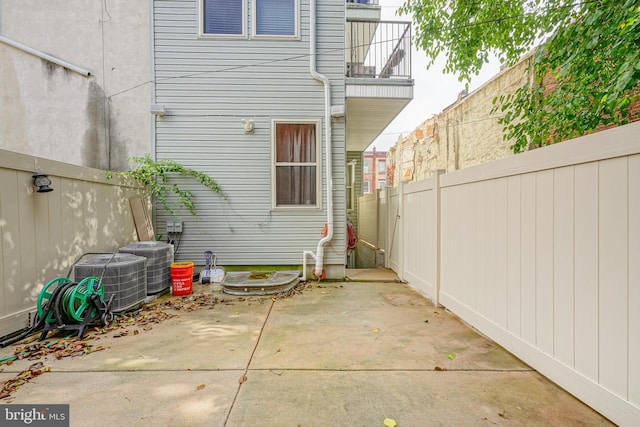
(67, 306)
(72, 302)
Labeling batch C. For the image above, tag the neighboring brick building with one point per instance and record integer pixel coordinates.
(465, 134)
(374, 170)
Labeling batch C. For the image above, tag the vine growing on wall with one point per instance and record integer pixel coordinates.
(155, 175)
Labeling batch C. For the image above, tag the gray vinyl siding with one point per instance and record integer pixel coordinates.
(207, 86)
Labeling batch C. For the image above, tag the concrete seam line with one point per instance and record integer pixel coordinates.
(529, 370)
(246, 369)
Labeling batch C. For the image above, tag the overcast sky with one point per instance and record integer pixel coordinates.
(432, 92)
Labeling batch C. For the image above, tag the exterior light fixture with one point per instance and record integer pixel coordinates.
(42, 181)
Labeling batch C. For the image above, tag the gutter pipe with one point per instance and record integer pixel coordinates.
(45, 56)
(318, 271)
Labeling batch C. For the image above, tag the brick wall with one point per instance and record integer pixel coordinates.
(465, 134)
(377, 171)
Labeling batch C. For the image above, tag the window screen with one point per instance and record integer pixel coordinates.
(222, 17)
(276, 17)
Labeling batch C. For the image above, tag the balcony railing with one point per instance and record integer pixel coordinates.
(373, 2)
(378, 49)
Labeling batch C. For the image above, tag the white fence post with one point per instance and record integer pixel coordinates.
(401, 237)
(387, 229)
(437, 251)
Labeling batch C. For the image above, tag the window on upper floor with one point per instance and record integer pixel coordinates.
(223, 17)
(275, 18)
(296, 165)
(365, 166)
(229, 18)
(382, 167)
(365, 187)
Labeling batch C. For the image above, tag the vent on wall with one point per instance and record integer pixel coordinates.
(159, 259)
(123, 275)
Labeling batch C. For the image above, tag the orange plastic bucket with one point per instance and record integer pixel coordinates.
(181, 278)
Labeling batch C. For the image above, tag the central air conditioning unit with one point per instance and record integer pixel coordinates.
(123, 276)
(159, 257)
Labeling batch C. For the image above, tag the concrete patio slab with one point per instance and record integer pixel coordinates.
(365, 398)
(371, 275)
(220, 338)
(395, 329)
(347, 353)
(166, 398)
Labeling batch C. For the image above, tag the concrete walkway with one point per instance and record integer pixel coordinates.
(334, 354)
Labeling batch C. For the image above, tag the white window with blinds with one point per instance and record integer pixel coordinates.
(296, 165)
(223, 18)
(275, 18)
(229, 18)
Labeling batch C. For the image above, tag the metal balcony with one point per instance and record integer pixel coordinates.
(378, 49)
(378, 83)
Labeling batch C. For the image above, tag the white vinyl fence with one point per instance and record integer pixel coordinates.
(372, 235)
(540, 252)
(42, 234)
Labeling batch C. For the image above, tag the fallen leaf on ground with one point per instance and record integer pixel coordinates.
(438, 368)
(503, 415)
(451, 356)
(192, 302)
(11, 385)
(242, 379)
(375, 330)
(200, 387)
(388, 422)
(301, 287)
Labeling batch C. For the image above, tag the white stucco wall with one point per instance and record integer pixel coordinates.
(52, 112)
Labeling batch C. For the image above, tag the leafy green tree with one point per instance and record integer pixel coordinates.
(585, 71)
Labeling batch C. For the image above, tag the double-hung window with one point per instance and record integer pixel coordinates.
(223, 17)
(229, 18)
(382, 167)
(275, 18)
(296, 165)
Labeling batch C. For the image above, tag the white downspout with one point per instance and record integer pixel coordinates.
(319, 272)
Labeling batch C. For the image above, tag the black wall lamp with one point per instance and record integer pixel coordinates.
(41, 181)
